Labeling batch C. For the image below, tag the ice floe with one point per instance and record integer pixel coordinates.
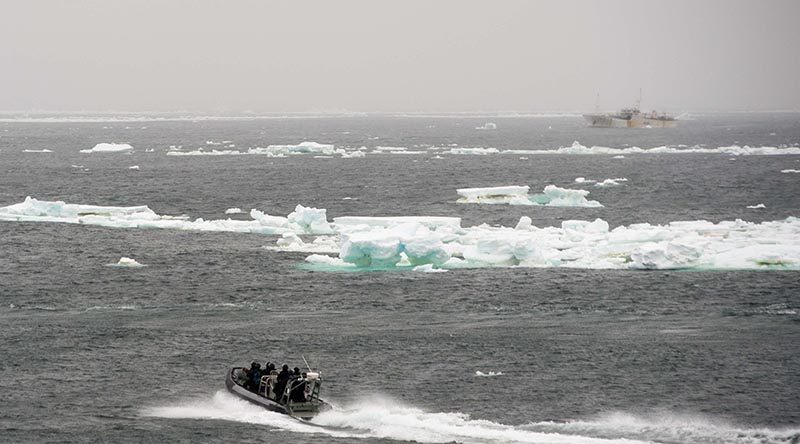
(790, 171)
(302, 220)
(233, 211)
(611, 182)
(126, 262)
(133, 167)
(491, 373)
(487, 126)
(761, 205)
(353, 243)
(109, 148)
(552, 196)
(312, 148)
(37, 151)
(473, 151)
(735, 150)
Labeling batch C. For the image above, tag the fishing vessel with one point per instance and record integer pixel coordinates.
(299, 396)
(631, 118)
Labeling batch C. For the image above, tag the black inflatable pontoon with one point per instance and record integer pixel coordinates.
(265, 397)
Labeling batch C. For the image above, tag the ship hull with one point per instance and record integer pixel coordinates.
(611, 121)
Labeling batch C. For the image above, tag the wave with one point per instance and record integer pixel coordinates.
(385, 418)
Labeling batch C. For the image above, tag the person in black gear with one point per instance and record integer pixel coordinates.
(296, 372)
(280, 383)
(254, 376)
(298, 392)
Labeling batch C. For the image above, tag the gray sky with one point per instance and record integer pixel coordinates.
(398, 55)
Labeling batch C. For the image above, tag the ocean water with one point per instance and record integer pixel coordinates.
(92, 353)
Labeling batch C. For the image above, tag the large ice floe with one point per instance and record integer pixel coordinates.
(552, 196)
(313, 148)
(109, 148)
(735, 150)
(430, 243)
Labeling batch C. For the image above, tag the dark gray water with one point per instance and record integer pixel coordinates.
(90, 353)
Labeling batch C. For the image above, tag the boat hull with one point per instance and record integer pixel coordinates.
(302, 410)
(611, 121)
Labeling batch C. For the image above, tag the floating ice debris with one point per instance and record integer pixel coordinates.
(233, 211)
(428, 268)
(134, 167)
(475, 151)
(518, 195)
(790, 171)
(735, 150)
(493, 195)
(618, 157)
(201, 152)
(109, 148)
(761, 205)
(37, 151)
(387, 242)
(126, 262)
(584, 180)
(270, 151)
(353, 154)
(487, 126)
(480, 373)
(611, 182)
(302, 220)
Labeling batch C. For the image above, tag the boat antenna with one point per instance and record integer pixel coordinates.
(304, 360)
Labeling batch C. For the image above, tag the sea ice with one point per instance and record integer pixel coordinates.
(790, 171)
(233, 211)
(133, 167)
(755, 207)
(109, 148)
(487, 126)
(611, 182)
(441, 242)
(518, 195)
(478, 151)
(491, 373)
(37, 151)
(126, 262)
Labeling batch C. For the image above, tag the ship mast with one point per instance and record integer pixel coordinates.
(639, 102)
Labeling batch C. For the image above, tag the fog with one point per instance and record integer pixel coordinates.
(296, 56)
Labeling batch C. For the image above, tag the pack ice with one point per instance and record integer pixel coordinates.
(518, 195)
(442, 243)
(109, 148)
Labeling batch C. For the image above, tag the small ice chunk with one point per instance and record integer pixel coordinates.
(487, 126)
(109, 148)
(37, 151)
(754, 207)
(428, 268)
(126, 262)
(790, 171)
(233, 211)
(133, 167)
(611, 182)
(491, 373)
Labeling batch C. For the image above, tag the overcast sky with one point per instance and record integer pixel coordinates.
(398, 55)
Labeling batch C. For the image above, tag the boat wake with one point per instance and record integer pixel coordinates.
(378, 417)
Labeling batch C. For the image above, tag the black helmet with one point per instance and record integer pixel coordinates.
(285, 367)
(253, 364)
